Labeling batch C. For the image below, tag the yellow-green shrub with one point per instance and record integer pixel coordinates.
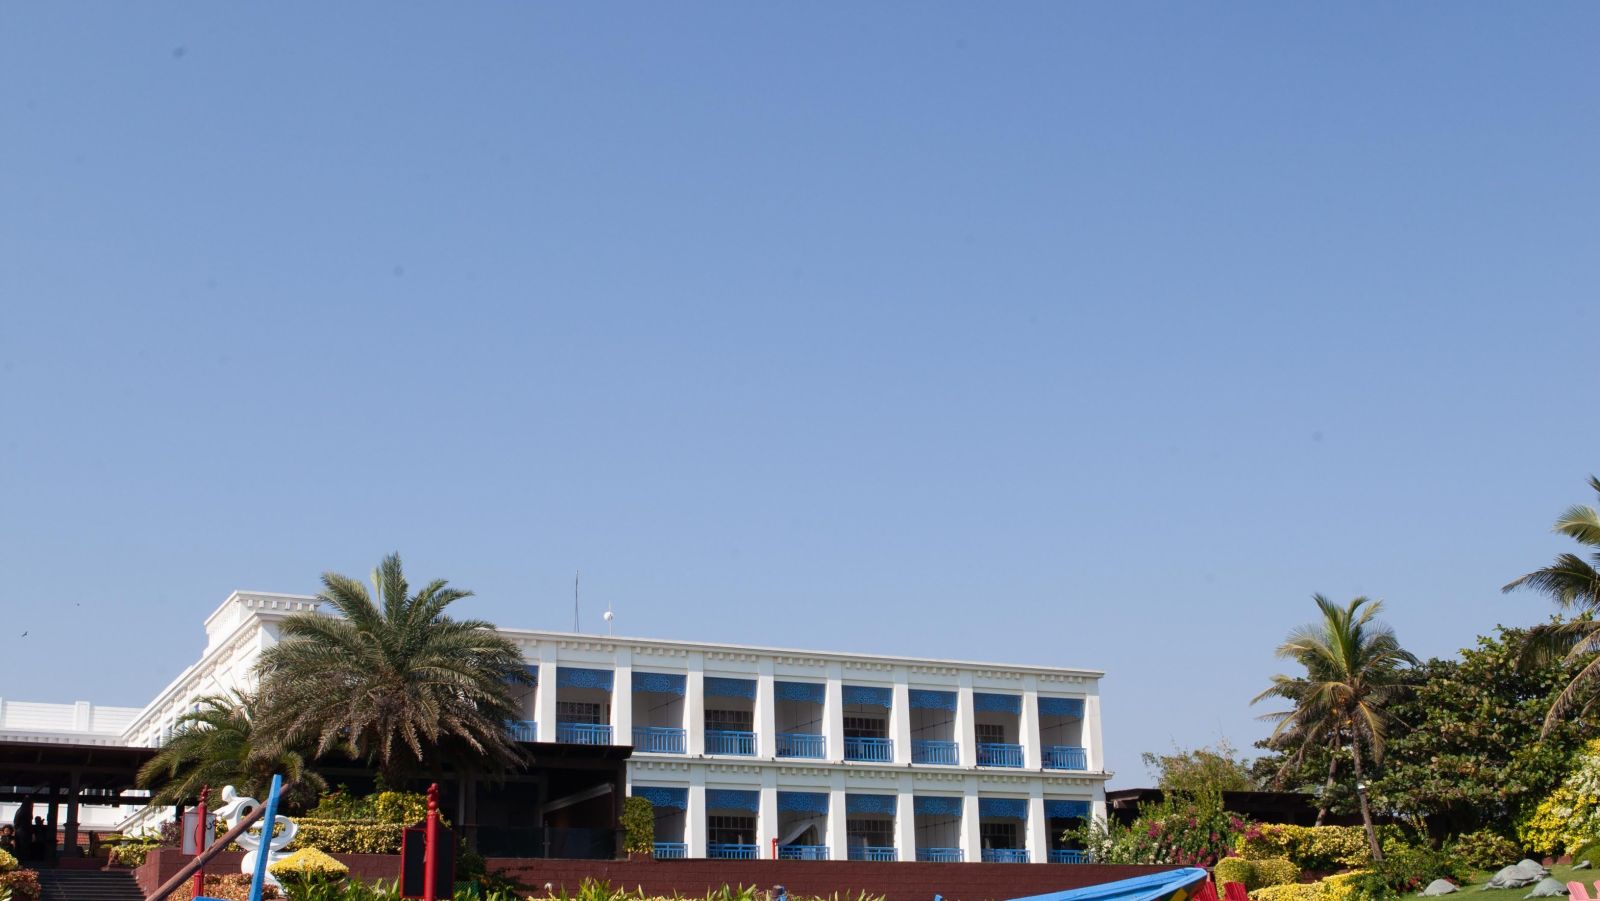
(348, 836)
(8, 861)
(1293, 891)
(1570, 814)
(1342, 887)
(1254, 874)
(1312, 847)
(309, 862)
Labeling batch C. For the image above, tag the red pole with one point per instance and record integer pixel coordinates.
(430, 849)
(774, 849)
(200, 817)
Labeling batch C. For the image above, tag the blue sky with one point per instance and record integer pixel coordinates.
(1096, 335)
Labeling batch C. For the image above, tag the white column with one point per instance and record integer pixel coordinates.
(767, 816)
(694, 823)
(971, 839)
(1032, 752)
(1038, 827)
(622, 698)
(966, 722)
(900, 718)
(766, 711)
(547, 692)
(833, 714)
(905, 819)
(694, 703)
(838, 832)
(1091, 729)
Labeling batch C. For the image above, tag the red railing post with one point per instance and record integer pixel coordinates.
(430, 848)
(200, 817)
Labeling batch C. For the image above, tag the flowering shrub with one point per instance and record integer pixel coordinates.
(8, 862)
(1343, 887)
(1254, 874)
(228, 887)
(1570, 814)
(309, 862)
(1186, 830)
(22, 884)
(1318, 848)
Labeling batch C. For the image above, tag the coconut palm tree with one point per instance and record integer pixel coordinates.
(1302, 732)
(219, 743)
(1353, 667)
(394, 682)
(1574, 584)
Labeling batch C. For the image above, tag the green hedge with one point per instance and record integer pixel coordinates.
(638, 825)
(347, 836)
(1321, 848)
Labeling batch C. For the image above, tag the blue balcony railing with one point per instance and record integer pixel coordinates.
(802, 744)
(947, 753)
(727, 851)
(802, 852)
(1065, 757)
(939, 855)
(658, 739)
(725, 741)
(872, 852)
(583, 734)
(1070, 857)
(523, 730)
(671, 850)
(1005, 855)
(996, 754)
(876, 750)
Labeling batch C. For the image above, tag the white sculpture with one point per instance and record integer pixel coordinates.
(235, 808)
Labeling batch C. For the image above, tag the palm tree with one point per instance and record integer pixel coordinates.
(401, 686)
(1300, 733)
(218, 743)
(1574, 584)
(1354, 667)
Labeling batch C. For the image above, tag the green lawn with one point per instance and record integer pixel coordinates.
(1561, 874)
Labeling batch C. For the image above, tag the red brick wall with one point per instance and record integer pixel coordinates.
(895, 881)
(164, 863)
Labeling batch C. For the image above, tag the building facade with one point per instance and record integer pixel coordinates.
(754, 752)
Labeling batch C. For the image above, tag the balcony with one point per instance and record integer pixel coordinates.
(873, 750)
(873, 852)
(1070, 857)
(1065, 757)
(943, 753)
(729, 742)
(658, 740)
(671, 850)
(583, 734)
(802, 744)
(727, 851)
(523, 730)
(1005, 855)
(997, 754)
(939, 855)
(802, 852)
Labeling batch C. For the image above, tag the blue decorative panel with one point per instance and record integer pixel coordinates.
(1067, 707)
(574, 677)
(923, 699)
(865, 694)
(803, 802)
(659, 683)
(663, 797)
(1066, 810)
(719, 687)
(810, 692)
(984, 703)
(732, 799)
(937, 805)
(1016, 808)
(870, 804)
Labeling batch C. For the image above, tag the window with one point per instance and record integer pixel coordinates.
(991, 733)
(730, 720)
(998, 835)
(874, 833)
(864, 727)
(731, 830)
(580, 712)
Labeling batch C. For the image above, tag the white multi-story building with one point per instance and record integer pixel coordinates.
(755, 751)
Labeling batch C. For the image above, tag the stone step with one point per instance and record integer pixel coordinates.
(88, 885)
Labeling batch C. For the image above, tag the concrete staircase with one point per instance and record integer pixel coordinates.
(88, 885)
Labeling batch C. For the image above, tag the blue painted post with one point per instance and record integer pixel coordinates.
(258, 881)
